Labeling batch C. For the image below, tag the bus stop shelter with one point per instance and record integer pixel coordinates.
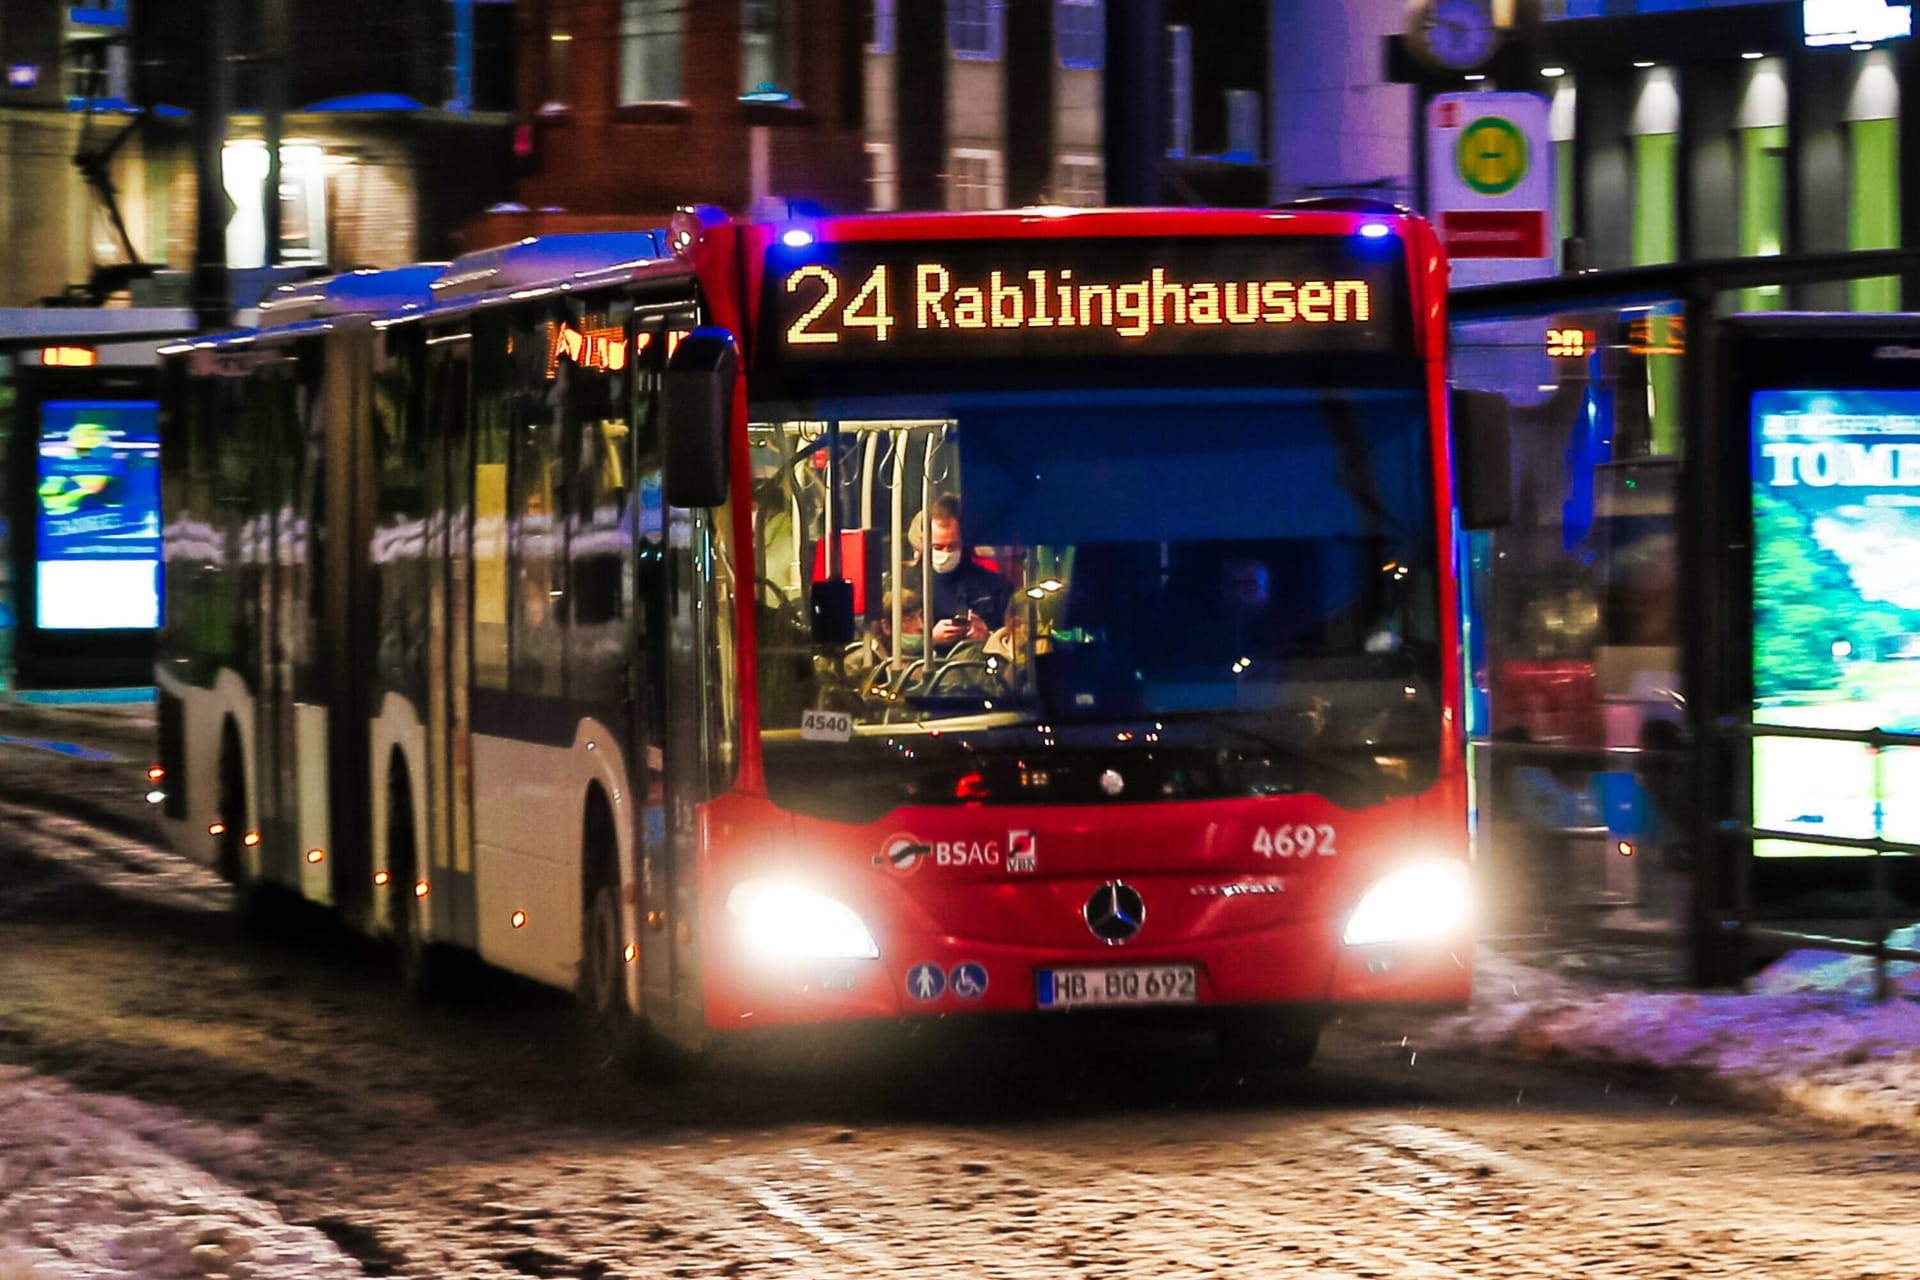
(1662, 636)
(79, 493)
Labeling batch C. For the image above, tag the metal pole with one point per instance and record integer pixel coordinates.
(1704, 624)
(1881, 988)
(897, 501)
(926, 546)
(1743, 738)
(462, 99)
(273, 110)
(1134, 115)
(212, 295)
(833, 499)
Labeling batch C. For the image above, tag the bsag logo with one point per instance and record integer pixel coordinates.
(904, 852)
(966, 853)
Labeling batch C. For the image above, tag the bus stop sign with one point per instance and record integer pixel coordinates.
(1490, 172)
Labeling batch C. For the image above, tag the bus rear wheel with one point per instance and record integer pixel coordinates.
(423, 964)
(263, 909)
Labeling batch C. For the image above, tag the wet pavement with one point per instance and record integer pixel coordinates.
(285, 1091)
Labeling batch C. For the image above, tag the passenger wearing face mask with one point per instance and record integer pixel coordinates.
(969, 599)
(876, 648)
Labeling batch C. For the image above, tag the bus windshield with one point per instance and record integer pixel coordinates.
(1097, 596)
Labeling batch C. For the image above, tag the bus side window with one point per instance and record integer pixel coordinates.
(491, 383)
(399, 572)
(599, 475)
(536, 532)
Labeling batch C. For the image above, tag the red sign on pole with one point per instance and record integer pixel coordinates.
(1494, 233)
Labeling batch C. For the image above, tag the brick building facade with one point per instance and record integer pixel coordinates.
(627, 110)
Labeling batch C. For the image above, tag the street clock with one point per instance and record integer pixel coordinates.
(1451, 35)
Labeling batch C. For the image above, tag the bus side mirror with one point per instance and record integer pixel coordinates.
(830, 602)
(1482, 459)
(698, 417)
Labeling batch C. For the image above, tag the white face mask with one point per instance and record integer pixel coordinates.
(945, 561)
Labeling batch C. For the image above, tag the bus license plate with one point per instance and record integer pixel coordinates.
(1096, 988)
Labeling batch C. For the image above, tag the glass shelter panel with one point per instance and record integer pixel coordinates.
(1574, 617)
(1836, 612)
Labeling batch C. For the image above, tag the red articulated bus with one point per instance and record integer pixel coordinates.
(846, 618)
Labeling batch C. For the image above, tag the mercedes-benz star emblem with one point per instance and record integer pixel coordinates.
(1115, 912)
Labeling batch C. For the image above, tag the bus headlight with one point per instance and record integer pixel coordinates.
(1414, 904)
(786, 921)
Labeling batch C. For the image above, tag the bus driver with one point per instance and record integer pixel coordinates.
(969, 599)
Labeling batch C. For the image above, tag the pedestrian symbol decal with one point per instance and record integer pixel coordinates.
(969, 981)
(926, 982)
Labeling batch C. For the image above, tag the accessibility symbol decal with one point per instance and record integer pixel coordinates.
(926, 981)
(969, 981)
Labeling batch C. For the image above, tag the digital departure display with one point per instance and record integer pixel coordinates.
(99, 515)
(1078, 298)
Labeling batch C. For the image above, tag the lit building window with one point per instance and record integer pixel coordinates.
(559, 58)
(303, 202)
(765, 46)
(880, 26)
(650, 55)
(1079, 180)
(1179, 91)
(974, 179)
(976, 28)
(1080, 32)
(883, 192)
(1243, 124)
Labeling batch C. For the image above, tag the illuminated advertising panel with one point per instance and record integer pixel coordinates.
(1001, 299)
(1836, 609)
(98, 506)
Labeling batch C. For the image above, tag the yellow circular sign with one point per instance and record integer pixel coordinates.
(1492, 155)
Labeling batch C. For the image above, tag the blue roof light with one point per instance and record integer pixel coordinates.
(796, 237)
(1375, 230)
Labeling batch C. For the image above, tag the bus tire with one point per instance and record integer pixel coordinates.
(1267, 1039)
(230, 855)
(616, 1033)
(423, 964)
(262, 909)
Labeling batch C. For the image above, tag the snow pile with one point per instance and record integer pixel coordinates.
(1806, 1034)
(107, 1187)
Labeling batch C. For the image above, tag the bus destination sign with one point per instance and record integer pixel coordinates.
(1078, 298)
